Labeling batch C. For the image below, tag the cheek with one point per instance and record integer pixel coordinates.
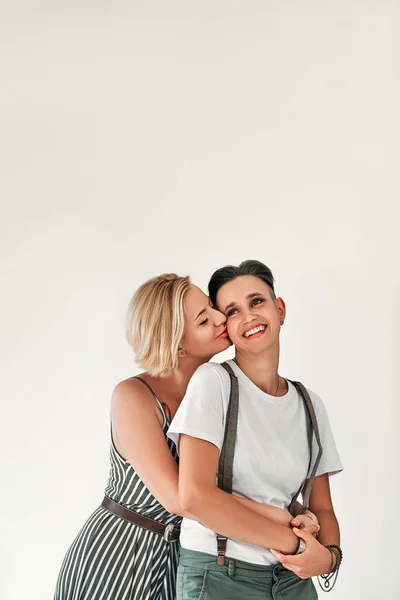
(232, 329)
(200, 339)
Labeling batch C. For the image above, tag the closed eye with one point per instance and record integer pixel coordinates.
(204, 321)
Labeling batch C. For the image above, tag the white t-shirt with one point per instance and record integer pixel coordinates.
(272, 455)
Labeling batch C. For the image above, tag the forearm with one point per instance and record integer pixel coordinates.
(274, 513)
(329, 532)
(221, 512)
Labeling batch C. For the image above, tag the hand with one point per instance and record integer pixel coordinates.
(307, 522)
(315, 560)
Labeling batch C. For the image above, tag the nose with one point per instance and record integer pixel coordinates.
(219, 318)
(248, 315)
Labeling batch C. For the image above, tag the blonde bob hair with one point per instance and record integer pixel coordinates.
(156, 323)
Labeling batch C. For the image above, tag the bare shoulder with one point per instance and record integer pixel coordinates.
(136, 418)
(132, 394)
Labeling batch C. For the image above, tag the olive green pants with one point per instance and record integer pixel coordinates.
(200, 578)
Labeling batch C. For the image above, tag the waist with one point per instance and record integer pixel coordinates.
(207, 562)
(195, 537)
(169, 532)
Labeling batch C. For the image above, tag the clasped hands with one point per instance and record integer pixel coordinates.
(316, 559)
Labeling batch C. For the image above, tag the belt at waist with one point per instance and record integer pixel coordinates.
(170, 532)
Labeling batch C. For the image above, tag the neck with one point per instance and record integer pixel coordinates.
(174, 386)
(262, 369)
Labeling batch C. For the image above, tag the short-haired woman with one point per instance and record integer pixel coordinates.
(272, 459)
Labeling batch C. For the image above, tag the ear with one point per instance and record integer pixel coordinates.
(181, 353)
(280, 305)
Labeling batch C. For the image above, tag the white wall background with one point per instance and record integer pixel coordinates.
(138, 138)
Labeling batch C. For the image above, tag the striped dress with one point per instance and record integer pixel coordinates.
(113, 559)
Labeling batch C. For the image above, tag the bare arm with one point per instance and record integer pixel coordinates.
(135, 421)
(316, 559)
(276, 514)
(218, 510)
(139, 438)
(321, 505)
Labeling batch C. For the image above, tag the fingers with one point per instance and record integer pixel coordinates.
(284, 559)
(294, 561)
(281, 557)
(304, 535)
(301, 521)
(289, 568)
(299, 571)
(305, 523)
(290, 564)
(311, 529)
(311, 516)
(287, 562)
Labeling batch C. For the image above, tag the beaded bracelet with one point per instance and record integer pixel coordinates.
(337, 553)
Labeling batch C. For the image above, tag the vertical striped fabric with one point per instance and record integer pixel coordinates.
(112, 559)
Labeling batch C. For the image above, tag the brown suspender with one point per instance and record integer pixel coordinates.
(313, 429)
(225, 466)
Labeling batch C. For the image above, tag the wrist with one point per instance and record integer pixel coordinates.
(329, 560)
(337, 556)
(285, 518)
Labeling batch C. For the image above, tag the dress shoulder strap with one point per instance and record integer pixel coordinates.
(164, 408)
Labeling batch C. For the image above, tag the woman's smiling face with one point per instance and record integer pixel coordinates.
(253, 313)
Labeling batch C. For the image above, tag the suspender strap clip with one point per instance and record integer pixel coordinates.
(221, 547)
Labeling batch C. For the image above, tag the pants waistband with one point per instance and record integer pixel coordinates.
(208, 562)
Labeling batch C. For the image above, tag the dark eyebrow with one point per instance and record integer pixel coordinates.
(200, 313)
(253, 295)
(230, 305)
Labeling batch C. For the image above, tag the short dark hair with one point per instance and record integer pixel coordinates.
(229, 273)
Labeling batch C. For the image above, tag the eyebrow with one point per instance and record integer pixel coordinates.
(253, 295)
(200, 313)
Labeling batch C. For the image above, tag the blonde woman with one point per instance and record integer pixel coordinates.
(128, 548)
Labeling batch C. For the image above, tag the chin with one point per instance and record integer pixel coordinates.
(223, 345)
(255, 348)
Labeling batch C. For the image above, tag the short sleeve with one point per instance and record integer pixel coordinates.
(330, 461)
(201, 413)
